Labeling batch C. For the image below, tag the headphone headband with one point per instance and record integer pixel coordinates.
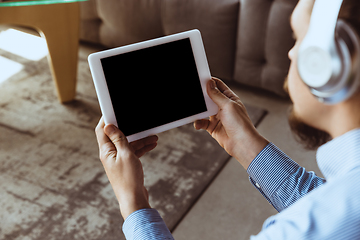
(322, 26)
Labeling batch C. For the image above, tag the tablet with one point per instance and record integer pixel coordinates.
(153, 86)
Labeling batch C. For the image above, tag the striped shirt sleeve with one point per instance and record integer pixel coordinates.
(279, 179)
(146, 224)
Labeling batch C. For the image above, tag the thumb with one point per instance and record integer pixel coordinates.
(214, 93)
(117, 137)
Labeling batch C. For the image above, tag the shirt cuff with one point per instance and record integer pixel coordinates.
(270, 169)
(145, 224)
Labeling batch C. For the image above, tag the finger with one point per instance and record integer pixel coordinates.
(136, 145)
(201, 124)
(208, 125)
(117, 138)
(100, 135)
(213, 123)
(225, 89)
(215, 94)
(139, 153)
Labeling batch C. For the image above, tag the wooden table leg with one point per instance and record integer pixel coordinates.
(59, 25)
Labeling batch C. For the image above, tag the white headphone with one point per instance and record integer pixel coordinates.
(329, 56)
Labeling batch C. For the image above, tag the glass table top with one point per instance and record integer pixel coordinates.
(38, 2)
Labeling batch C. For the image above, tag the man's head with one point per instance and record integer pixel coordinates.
(313, 122)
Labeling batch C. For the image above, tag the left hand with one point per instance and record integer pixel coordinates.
(123, 167)
(231, 127)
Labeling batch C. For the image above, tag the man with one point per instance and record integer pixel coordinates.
(309, 207)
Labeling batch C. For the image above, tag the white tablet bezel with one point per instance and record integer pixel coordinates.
(104, 96)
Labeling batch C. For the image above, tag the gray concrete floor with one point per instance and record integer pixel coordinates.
(231, 208)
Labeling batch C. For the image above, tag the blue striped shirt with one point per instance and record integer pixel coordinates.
(309, 207)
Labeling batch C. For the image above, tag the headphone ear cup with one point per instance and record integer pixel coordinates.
(315, 66)
(348, 42)
(344, 78)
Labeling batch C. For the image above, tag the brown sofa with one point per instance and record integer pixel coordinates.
(246, 41)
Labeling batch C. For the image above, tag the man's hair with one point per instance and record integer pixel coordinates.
(350, 12)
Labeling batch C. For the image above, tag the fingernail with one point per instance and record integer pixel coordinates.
(212, 84)
(110, 129)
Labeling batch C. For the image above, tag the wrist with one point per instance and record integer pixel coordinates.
(132, 203)
(248, 150)
(127, 210)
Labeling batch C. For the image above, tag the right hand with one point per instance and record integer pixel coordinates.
(231, 127)
(123, 167)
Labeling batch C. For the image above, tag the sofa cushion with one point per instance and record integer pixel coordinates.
(264, 39)
(115, 23)
(217, 22)
(120, 22)
(90, 22)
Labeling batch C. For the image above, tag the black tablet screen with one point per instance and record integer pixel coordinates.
(154, 86)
